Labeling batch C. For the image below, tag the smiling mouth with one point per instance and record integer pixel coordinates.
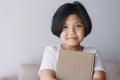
(72, 38)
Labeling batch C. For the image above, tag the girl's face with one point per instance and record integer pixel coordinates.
(73, 31)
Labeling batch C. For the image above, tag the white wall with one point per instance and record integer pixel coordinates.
(25, 30)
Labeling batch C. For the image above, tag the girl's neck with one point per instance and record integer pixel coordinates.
(73, 48)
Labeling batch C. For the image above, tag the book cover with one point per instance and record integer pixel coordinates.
(75, 65)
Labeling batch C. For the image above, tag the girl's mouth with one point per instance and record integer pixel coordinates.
(72, 38)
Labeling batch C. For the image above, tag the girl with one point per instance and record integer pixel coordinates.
(71, 23)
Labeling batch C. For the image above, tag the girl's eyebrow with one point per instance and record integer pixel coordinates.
(65, 24)
(79, 22)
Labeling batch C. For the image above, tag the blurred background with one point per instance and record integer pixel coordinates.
(25, 30)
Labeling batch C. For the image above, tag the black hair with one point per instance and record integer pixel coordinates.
(64, 11)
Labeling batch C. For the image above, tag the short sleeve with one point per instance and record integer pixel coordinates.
(49, 59)
(98, 62)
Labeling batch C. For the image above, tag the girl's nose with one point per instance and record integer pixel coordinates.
(72, 31)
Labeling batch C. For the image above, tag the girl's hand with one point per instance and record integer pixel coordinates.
(47, 74)
(99, 75)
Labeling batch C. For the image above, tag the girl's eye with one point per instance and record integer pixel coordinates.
(64, 26)
(78, 25)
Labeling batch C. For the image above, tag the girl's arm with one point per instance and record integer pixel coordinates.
(47, 74)
(99, 75)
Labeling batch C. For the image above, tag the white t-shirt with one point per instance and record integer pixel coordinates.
(51, 53)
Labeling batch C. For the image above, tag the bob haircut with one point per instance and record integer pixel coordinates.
(64, 11)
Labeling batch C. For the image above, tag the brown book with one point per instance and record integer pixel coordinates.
(75, 65)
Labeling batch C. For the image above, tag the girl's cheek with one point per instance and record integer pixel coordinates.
(63, 33)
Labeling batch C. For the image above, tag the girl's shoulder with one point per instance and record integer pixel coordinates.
(91, 50)
(56, 48)
(53, 47)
